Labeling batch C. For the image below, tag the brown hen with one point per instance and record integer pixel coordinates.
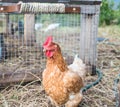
(61, 83)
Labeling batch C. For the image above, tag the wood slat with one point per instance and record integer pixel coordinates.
(7, 9)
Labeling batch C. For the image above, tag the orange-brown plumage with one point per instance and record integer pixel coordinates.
(60, 83)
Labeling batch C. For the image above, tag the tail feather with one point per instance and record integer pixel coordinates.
(79, 67)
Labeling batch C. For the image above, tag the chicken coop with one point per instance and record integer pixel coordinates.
(25, 25)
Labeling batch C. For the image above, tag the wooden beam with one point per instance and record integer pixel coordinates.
(29, 24)
(11, 8)
(16, 8)
(92, 2)
(19, 76)
(41, 1)
(88, 36)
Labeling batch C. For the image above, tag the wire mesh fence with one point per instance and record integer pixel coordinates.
(16, 55)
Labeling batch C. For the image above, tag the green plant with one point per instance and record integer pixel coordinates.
(107, 12)
(118, 15)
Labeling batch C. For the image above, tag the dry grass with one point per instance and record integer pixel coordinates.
(102, 95)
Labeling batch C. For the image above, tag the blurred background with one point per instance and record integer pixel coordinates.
(110, 12)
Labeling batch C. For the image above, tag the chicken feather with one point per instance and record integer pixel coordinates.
(78, 66)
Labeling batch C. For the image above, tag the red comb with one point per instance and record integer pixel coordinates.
(48, 41)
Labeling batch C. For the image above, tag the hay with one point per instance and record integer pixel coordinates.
(33, 95)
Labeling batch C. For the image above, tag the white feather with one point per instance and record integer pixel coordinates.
(78, 66)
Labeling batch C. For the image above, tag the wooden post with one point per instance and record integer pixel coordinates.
(29, 23)
(6, 22)
(88, 36)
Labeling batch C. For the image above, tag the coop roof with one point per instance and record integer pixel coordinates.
(56, 1)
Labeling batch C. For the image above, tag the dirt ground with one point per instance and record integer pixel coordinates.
(32, 94)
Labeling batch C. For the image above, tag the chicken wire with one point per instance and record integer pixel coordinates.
(15, 55)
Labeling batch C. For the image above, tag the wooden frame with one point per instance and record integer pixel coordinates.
(89, 10)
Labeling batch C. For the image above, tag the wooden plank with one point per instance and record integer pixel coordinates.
(12, 8)
(16, 8)
(19, 76)
(29, 23)
(89, 30)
